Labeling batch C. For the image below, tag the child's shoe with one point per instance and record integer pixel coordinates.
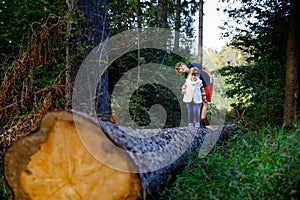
(202, 125)
(190, 125)
(197, 125)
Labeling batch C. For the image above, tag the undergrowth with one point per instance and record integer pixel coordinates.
(261, 164)
(4, 191)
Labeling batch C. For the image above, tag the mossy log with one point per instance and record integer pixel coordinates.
(73, 156)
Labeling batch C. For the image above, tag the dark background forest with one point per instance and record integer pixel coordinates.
(255, 69)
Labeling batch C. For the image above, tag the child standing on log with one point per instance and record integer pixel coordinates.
(193, 93)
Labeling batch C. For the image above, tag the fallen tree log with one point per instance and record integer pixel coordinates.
(73, 156)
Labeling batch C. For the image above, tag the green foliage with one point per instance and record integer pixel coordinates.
(4, 192)
(143, 98)
(17, 18)
(258, 92)
(153, 94)
(33, 84)
(126, 15)
(259, 24)
(229, 55)
(253, 165)
(258, 86)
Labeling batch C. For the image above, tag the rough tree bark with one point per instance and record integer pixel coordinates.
(200, 33)
(292, 68)
(71, 156)
(177, 23)
(86, 28)
(162, 14)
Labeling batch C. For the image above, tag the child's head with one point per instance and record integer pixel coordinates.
(193, 74)
(180, 67)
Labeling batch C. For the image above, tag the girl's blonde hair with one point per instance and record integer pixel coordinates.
(193, 70)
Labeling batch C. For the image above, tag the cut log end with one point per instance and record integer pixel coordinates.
(53, 163)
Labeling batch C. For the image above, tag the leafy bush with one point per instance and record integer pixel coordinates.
(256, 165)
(256, 90)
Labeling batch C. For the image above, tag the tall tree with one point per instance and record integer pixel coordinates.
(177, 22)
(162, 14)
(86, 28)
(291, 101)
(200, 33)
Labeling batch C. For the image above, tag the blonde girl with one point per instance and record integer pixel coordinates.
(193, 95)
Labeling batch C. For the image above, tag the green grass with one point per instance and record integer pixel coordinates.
(253, 165)
(4, 192)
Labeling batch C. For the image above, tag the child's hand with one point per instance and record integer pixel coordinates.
(183, 89)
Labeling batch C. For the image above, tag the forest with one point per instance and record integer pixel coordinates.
(103, 57)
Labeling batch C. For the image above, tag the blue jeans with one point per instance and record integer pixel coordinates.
(193, 112)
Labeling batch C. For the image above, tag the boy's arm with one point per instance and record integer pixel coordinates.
(209, 74)
(203, 94)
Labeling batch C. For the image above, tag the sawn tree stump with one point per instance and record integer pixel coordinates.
(72, 156)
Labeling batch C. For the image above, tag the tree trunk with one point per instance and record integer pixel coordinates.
(86, 28)
(162, 14)
(72, 157)
(177, 23)
(292, 68)
(200, 33)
